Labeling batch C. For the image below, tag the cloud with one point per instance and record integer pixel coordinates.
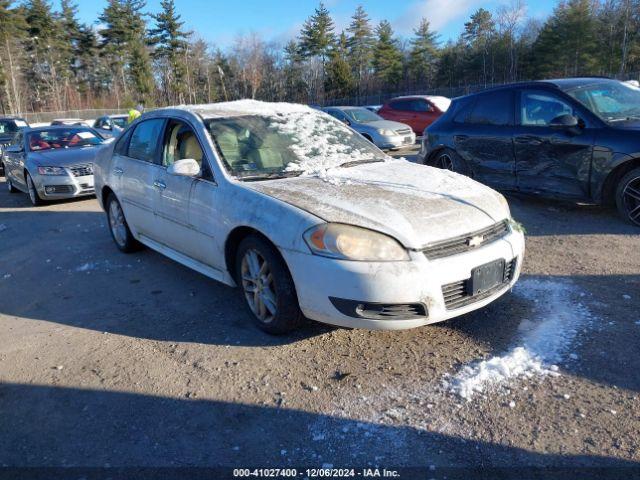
(439, 13)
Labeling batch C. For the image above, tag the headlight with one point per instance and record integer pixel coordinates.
(51, 171)
(346, 242)
(386, 133)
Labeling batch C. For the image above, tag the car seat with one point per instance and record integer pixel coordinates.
(267, 152)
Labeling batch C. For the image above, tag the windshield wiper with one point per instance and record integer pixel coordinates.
(353, 163)
(625, 119)
(268, 176)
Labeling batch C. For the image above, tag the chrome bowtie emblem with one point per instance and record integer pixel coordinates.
(475, 241)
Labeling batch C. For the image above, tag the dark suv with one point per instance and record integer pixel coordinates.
(576, 138)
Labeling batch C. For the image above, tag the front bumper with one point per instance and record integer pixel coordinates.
(318, 280)
(395, 141)
(58, 187)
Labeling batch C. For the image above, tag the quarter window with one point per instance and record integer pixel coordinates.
(145, 139)
(540, 108)
(494, 108)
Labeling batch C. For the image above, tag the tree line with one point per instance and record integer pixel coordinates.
(49, 60)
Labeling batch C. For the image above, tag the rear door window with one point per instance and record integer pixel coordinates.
(145, 140)
(495, 108)
(402, 105)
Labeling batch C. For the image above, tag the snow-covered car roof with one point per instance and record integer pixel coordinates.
(245, 107)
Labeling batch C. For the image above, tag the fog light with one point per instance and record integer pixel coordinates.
(50, 189)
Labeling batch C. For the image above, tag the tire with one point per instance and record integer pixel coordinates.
(628, 196)
(447, 159)
(120, 232)
(263, 275)
(31, 190)
(10, 186)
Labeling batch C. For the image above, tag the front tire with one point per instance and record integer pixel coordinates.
(119, 228)
(33, 192)
(267, 286)
(628, 196)
(449, 160)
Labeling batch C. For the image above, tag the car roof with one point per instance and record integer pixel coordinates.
(556, 83)
(48, 128)
(237, 108)
(346, 107)
(117, 115)
(12, 118)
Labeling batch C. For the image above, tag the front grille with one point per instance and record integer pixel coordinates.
(82, 170)
(467, 242)
(56, 189)
(457, 294)
(404, 131)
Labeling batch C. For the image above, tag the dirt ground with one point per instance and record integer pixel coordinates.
(115, 360)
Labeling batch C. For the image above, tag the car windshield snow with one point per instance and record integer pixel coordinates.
(287, 143)
(611, 101)
(62, 138)
(362, 115)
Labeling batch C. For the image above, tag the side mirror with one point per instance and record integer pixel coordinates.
(564, 121)
(187, 167)
(14, 149)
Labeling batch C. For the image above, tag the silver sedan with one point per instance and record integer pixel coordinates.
(385, 134)
(52, 163)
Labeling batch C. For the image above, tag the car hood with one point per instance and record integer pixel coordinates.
(386, 124)
(631, 125)
(65, 157)
(416, 204)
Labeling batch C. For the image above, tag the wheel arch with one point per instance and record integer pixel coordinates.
(105, 191)
(608, 192)
(233, 241)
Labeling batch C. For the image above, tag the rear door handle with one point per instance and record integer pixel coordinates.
(118, 171)
(160, 184)
(460, 138)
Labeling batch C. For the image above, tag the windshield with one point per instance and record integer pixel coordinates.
(62, 138)
(611, 101)
(290, 143)
(362, 115)
(119, 121)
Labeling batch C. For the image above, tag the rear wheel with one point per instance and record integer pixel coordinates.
(628, 196)
(10, 186)
(267, 286)
(33, 193)
(449, 160)
(118, 227)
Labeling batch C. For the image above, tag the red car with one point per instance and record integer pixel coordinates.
(417, 111)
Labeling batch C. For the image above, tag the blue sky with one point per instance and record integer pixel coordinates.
(221, 21)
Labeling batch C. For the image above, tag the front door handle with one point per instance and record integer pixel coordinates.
(460, 138)
(160, 184)
(118, 171)
(528, 140)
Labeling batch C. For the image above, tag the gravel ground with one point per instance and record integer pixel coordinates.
(134, 360)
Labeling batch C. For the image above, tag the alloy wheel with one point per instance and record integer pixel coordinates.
(258, 286)
(33, 195)
(631, 199)
(446, 162)
(117, 223)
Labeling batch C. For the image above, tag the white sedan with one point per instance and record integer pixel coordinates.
(306, 217)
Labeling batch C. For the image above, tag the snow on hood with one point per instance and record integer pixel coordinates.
(416, 204)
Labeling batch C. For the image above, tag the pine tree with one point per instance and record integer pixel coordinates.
(423, 55)
(339, 81)
(478, 33)
(170, 42)
(360, 45)
(317, 37)
(295, 86)
(387, 59)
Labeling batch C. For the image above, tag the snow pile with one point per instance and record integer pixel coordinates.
(544, 339)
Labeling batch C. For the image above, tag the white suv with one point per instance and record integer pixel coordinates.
(307, 217)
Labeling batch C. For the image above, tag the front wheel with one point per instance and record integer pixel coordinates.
(450, 160)
(118, 227)
(628, 196)
(267, 286)
(33, 192)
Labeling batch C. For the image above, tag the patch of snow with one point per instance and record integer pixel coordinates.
(626, 297)
(543, 339)
(85, 267)
(6, 275)
(512, 404)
